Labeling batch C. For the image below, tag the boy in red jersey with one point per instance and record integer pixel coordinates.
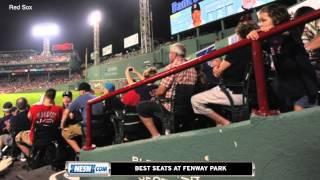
(47, 113)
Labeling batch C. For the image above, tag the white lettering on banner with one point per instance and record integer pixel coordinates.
(218, 168)
(195, 168)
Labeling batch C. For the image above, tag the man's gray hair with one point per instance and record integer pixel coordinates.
(178, 48)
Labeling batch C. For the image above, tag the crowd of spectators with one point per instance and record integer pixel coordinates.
(35, 59)
(295, 87)
(36, 82)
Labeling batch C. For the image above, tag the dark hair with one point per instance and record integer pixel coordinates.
(84, 86)
(278, 13)
(195, 7)
(302, 11)
(13, 109)
(22, 103)
(50, 94)
(7, 107)
(243, 29)
(246, 16)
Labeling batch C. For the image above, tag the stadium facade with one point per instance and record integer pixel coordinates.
(22, 67)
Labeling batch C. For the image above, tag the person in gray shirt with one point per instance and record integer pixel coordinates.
(80, 104)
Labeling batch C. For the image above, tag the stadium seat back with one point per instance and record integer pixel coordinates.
(181, 108)
(103, 130)
(236, 113)
(44, 134)
(133, 128)
(46, 148)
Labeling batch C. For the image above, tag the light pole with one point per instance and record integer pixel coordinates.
(45, 31)
(94, 20)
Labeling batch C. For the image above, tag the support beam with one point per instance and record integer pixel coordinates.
(145, 26)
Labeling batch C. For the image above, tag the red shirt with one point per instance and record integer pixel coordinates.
(44, 114)
(131, 98)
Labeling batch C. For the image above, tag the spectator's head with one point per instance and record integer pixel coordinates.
(272, 15)
(84, 87)
(50, 95)
(246, 18)
(22, 104)
(151, 71)
(7, 107)
(196, 14)
(66, 98)
(177, 50)
(108, 88)
(14, 111)
(243, 29)
(302, 11)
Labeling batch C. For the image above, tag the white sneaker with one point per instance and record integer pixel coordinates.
(23, 158)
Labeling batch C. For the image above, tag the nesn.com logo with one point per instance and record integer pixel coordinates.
(88, 169)
(83, 168)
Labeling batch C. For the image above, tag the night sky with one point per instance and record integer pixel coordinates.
(120, 19)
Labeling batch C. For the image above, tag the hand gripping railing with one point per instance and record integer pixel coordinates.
(257, 64)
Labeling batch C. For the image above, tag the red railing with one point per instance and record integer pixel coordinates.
(257, 64)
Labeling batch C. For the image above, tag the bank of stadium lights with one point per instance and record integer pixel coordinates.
(94, 17)
(94, 20)
(45, 31)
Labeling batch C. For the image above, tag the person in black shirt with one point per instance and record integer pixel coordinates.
(295, 83)
(143, 93)
(230, 70)
(20, 122)
(4, 122)
(5, 138)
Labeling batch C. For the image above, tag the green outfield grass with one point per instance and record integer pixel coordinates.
(32, 98)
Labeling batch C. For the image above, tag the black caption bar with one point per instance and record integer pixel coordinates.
(183, 168)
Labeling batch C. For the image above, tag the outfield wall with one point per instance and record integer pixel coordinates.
(282, 147)
(113, 71)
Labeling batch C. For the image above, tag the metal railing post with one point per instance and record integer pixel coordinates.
(260, 79)
(88, 144)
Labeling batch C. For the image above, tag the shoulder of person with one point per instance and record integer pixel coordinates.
(169, 66)
(59, 107)
(36, 106)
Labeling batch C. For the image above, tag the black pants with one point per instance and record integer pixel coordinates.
(151, 109)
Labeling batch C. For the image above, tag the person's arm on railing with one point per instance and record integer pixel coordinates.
(219, 69)
(254, 35)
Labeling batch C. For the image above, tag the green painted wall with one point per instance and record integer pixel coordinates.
(114, 71)
(285, 147)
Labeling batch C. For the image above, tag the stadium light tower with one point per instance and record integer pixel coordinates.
(145, 26)
(45, 31)
(94, 20)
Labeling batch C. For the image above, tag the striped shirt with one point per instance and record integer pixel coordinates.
(311, 30)
(188, 77)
